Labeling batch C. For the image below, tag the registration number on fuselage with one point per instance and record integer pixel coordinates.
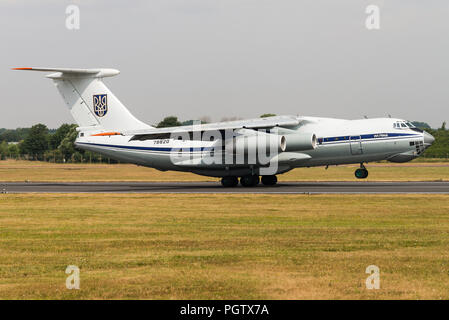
(162, 141)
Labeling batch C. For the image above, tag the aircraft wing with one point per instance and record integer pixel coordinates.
(259, 123)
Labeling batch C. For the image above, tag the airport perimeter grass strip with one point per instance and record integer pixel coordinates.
(143, 246)
(20, 171)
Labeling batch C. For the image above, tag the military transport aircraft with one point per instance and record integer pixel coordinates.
(252, 150)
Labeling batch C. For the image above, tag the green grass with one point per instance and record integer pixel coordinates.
(224, 246)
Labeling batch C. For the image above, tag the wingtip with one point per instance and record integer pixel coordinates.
(21, 68)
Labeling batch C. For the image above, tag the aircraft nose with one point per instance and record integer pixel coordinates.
(428, 138)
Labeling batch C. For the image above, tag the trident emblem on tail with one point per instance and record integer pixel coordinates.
(100, 104)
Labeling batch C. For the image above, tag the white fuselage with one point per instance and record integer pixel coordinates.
(339, 142)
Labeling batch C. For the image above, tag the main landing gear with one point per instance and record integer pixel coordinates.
(248, 181)
(269, 180)
(361, 173)
(229, 182)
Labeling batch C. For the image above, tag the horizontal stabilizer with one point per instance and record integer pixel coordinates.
(70, 72)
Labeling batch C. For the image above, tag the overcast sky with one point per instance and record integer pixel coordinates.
(232, 58)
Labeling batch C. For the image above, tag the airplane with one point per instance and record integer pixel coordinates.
(235, 151)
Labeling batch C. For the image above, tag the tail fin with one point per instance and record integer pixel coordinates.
(90, 102)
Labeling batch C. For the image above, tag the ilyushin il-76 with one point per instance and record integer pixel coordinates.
(250, 151)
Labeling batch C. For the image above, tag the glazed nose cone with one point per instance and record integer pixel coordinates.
(428, 138)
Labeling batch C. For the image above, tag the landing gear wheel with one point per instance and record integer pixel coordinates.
(249, 181)
(229, 182)
(361, 173)
(269, 180)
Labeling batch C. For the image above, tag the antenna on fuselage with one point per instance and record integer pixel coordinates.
(366, 117)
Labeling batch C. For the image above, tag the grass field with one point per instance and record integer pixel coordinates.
(224, 246)
(12, 170)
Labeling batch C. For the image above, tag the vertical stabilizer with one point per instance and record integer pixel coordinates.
(90, 102)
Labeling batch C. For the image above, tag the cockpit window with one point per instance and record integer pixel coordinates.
(403, 125)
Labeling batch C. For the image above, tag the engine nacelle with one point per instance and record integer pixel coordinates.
(262, 142)
(300, 141)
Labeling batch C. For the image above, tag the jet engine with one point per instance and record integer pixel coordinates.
(300, 141)
(263, 142)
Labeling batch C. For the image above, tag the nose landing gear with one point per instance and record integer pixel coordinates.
(361, 173)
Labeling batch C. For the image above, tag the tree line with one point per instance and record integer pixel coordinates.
(41, 143)
(58, 145)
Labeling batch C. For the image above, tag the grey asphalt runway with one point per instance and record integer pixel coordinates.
(215, 187)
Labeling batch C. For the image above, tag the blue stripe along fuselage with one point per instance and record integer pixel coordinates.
(327, 140)
(380, 136)
(148, 148)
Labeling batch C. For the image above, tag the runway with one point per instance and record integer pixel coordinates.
(215, 187)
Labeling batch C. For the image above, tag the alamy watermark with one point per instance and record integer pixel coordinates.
(373, 280)
(228, 147)
(372, 22)
(73, 17)
(73, 280)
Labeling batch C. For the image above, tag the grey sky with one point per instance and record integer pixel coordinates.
(242, 58)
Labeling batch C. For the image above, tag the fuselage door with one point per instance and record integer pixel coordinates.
(356, 145)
